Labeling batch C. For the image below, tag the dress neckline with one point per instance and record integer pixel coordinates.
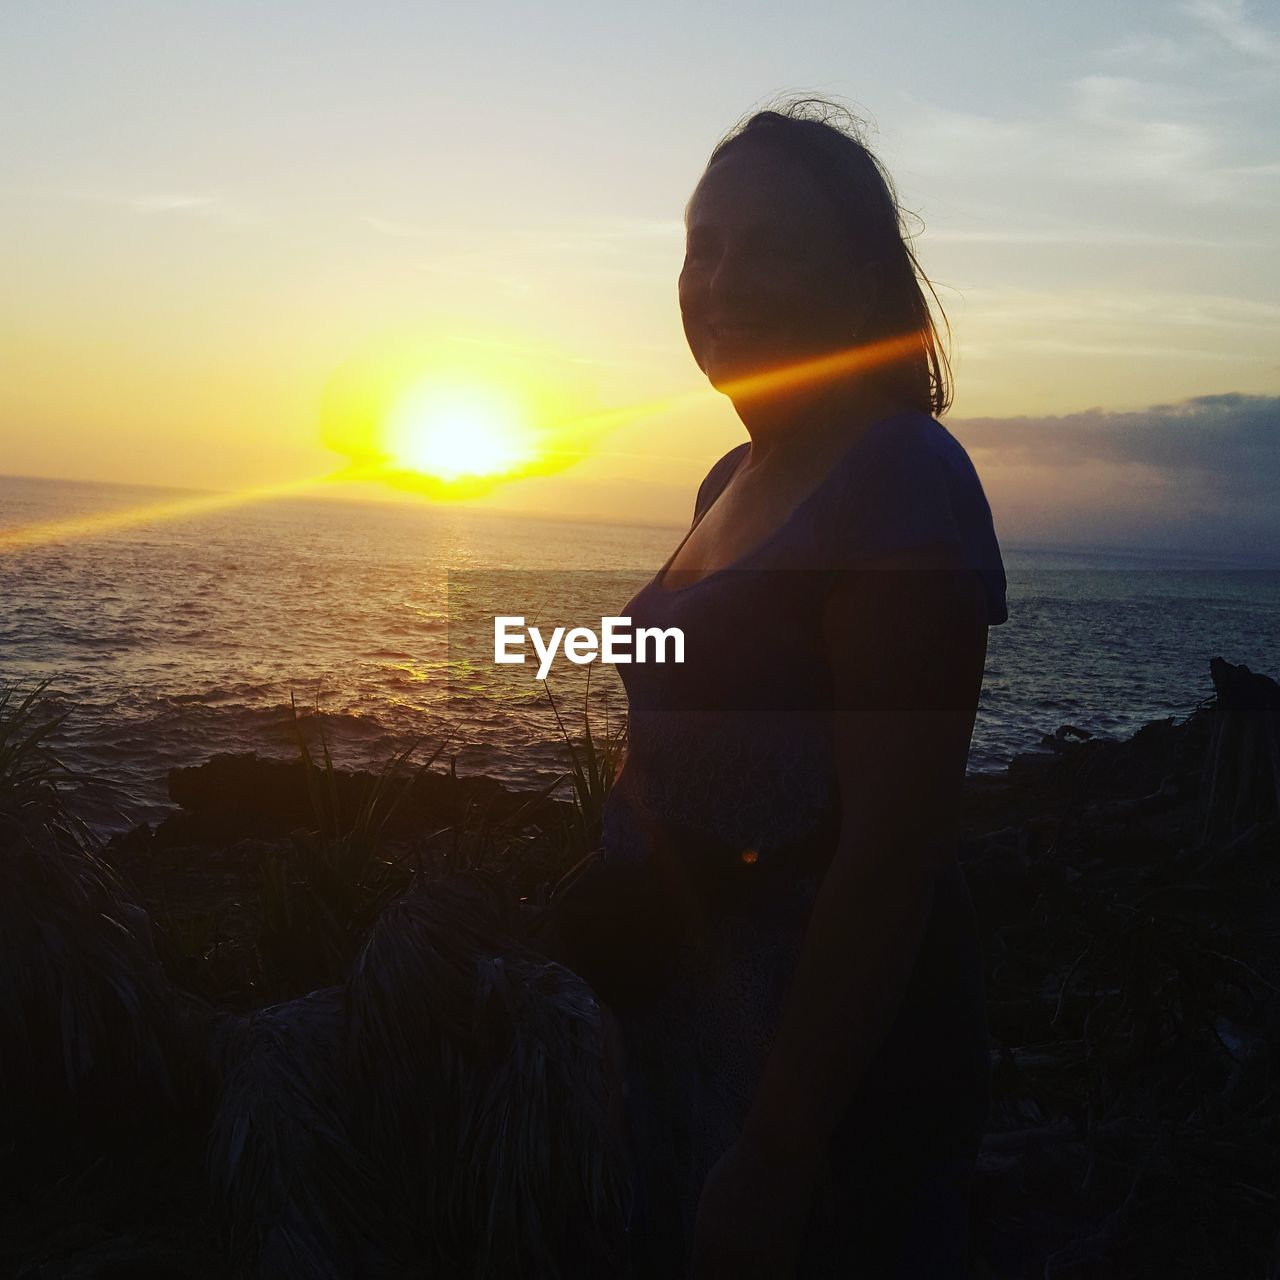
(658, 580)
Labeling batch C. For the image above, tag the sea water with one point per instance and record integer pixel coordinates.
(169, 640)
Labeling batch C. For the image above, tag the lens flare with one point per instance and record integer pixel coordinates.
(458, 439)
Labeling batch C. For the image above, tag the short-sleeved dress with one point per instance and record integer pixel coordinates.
(729, 801)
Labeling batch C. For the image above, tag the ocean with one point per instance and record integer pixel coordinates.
(169, 641)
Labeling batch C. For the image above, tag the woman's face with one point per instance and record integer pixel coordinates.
(767, 279)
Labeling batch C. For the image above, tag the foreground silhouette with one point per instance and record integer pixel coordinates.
(1122, 890)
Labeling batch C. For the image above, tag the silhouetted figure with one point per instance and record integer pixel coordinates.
(777, 916)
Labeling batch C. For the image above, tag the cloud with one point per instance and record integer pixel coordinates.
(1122, 324)
(616, 237)
(1156, 50)
(398, 230)
(1228, 436)
(1143, 139)
(1229, 21)
(1178, 111)
(151, 204)
(517, 260)
(166, 203)
(637, 229)
(1101, 236)
(1105, 132)
(1199, 473)
(1215, 25)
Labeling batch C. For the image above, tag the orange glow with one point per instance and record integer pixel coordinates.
(823, 368)
(451, 417)
(465, 468)
(36, 534)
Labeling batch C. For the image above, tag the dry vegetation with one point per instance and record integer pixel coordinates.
(299, 1029)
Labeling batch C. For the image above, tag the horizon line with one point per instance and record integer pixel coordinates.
(1251, 561)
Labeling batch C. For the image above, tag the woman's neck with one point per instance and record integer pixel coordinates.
(783, 425)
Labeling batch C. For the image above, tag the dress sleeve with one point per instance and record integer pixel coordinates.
(899, 500)
(915, 487)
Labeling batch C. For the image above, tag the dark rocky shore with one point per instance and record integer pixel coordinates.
(1126, 893)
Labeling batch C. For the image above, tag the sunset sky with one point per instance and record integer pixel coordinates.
(213, 212)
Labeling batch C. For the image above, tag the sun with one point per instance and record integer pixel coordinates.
(458, 433)
(454, 415)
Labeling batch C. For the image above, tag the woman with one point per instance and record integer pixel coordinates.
(790, 950)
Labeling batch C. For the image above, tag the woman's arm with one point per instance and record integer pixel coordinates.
(907, 644)
(906, 640)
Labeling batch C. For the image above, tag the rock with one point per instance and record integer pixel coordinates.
(233, 796)
(1033, 766)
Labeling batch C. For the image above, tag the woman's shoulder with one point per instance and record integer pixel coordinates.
(909, 464)
(910, 484)
(907, 440)
(896, 467)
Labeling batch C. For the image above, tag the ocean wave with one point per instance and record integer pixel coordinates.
(167, 649)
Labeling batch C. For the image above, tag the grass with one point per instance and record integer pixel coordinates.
(312, 1109)
(30, 771)
(443, 1033)
(84, 1009)
(593, 765)
(420, 1101)
(321, 899)
(101, 1059)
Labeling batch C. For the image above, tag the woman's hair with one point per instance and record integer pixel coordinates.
(826, 139)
